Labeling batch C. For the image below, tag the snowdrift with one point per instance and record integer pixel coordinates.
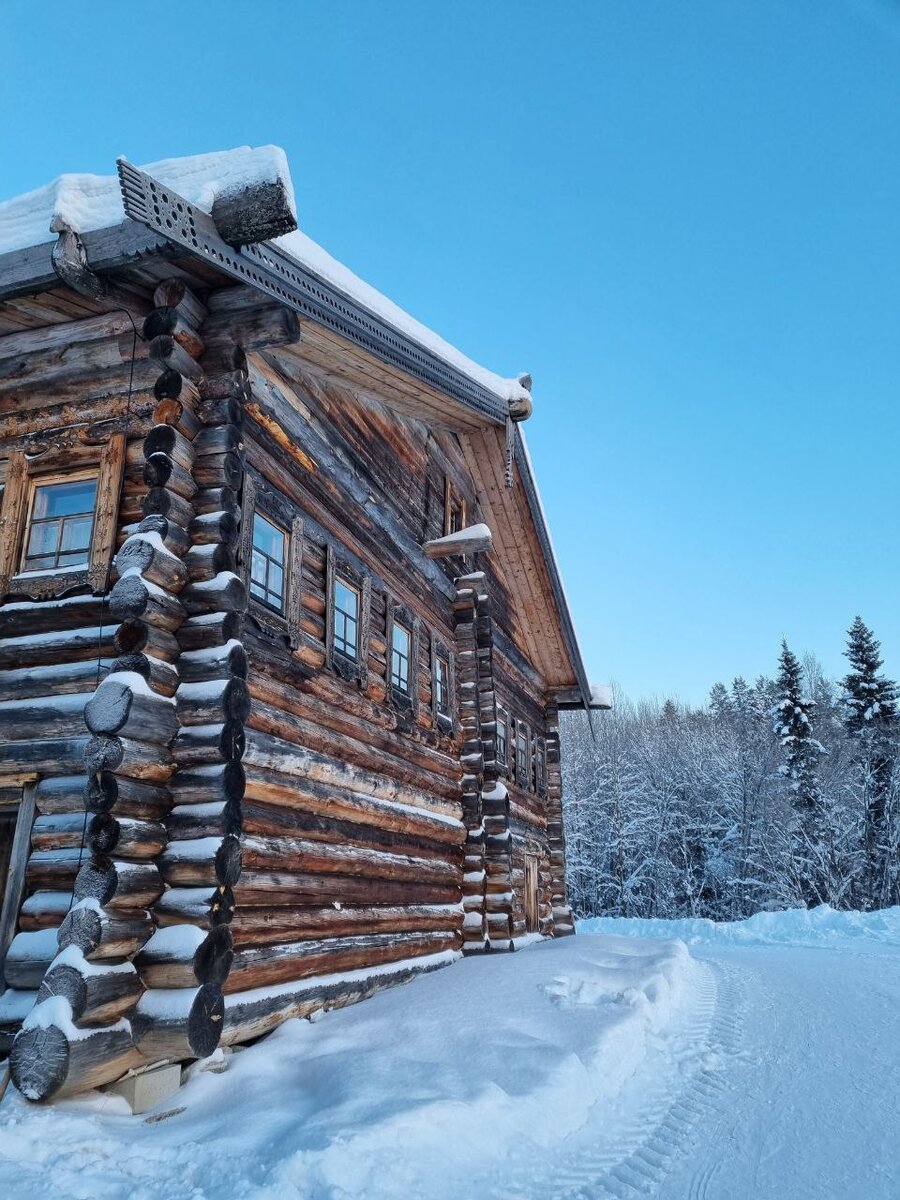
(416, 1092)
(820, 926)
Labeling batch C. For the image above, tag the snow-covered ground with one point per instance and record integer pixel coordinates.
(762, 1062)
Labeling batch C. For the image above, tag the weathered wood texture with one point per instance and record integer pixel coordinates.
(212, 767)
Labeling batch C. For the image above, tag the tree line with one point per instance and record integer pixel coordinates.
(781, 793)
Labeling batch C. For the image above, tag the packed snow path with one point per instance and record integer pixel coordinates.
(763, 1061)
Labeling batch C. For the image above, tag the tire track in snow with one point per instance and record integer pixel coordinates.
(663, 1113)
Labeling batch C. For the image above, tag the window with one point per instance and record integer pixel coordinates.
(401, 639)
(346, 619)
(523, 757)
(60, 525)
(442, 685)
(454, 509)
(268, 555)
(540, 767)
(502, 738)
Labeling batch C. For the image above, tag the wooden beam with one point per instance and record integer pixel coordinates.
(465, 541)
(15, 883)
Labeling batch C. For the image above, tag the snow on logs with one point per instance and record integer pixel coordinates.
(76, 1039)
(185, 965)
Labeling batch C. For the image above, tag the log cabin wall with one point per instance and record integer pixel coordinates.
(75, 401)
(264, 811)
(352, 829)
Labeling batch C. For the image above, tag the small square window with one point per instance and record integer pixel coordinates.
(60, 525)
(502, 739)
(346, 619)
(442, 685)
(401, 639)
(267, 562)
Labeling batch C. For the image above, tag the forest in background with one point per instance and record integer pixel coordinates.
(776, 794)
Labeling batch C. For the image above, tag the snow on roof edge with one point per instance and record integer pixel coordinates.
(91, 202)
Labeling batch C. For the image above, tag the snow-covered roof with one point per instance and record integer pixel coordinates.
(87, 203)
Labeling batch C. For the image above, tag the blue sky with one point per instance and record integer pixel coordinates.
(683, 218)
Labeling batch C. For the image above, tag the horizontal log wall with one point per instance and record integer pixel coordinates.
(64, 393)
(352, 832)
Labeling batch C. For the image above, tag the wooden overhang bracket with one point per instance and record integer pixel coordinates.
(71, 265)
(70, 262)
(471, 540)
(270, 269)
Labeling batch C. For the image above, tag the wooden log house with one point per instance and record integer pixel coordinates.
(283, 641)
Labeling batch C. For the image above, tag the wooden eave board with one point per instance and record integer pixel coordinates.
(539, 633)
(326, 351)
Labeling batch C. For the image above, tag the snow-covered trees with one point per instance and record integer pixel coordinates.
(676, 811)
(870, 705)
(811, 852)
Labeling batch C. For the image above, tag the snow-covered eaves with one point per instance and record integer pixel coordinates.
(92, 206)
(305, 276)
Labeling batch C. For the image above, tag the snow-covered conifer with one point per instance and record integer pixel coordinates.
(870, 706)
(800, 752)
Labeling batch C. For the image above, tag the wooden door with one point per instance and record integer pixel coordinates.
(531, 893)
(16, 819)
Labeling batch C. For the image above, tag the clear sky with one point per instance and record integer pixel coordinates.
(683, 218)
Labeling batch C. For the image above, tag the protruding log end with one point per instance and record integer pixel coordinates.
(39, 1061)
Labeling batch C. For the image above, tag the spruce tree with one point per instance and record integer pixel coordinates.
(870, 707)
(800, 753)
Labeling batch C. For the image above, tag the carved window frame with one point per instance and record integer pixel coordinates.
(445, 722)
(399, 614)
(258, 496)
(24, 474)
(337, 566)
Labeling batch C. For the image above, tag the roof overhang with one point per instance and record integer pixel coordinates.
(164, 225)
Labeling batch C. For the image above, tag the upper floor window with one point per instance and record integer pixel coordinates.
(346, 619)
(268, 557)
(523, 756)
(502, 738)
(454, 509)
(540, 767)
(60, 524)
(401, 639)
(442, 685)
